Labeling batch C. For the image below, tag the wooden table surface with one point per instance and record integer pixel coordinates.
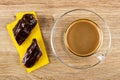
(48, 11)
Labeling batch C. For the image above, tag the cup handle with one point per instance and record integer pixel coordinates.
(101, 57)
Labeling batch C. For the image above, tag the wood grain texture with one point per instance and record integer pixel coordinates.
(48, 11)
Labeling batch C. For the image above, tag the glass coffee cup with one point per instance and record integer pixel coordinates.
(80, 39)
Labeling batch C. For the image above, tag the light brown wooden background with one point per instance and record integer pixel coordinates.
(48, 11)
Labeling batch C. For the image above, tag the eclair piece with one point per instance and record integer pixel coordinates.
(23, 28)
(32, 55)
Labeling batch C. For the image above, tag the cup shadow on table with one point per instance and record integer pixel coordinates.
(46, 23)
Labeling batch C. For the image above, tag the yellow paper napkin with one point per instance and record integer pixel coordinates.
(35, 33)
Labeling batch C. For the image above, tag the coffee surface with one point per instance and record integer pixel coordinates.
(82, 37)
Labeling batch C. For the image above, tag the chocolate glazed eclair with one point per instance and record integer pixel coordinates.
(32, 55)
(23, 28)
